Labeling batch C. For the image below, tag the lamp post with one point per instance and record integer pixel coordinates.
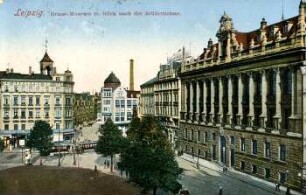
(198, 165)
(74, 150)
(59, 151)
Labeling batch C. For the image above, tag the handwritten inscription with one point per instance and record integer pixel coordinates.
(29, 13)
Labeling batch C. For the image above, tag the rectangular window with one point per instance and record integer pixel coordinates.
(282, 177)
(6, 127)
(282, 152)
(15, 126)
(15, 88)
(191, 135)
(57, 100)
(6, 113)
(199, 136)
(254, 147)
(23, 114)
(267, 150)
(254, 169)
(213, 135)
(117, 116)
(6, 100)
(30, 101)
(30, 113)
(129, 116)
(22, 126)
(206, 136)
(47, 100)
(242, 165)
(46, 113)
(232, 140)
(15, 113)
(37, 100)
(15, 100)
(129, 103)
(117, 103)
(186, 134)
(37, 113)
(242, 144)
(23, 100)
(122, 116)
(57, 125)
(68, 101)
(267, 173)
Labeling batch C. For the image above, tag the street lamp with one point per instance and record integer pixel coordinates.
(59, 151)
(198, 165)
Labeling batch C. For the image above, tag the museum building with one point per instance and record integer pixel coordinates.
(244, 100)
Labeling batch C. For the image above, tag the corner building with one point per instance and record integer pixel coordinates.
(25, 98)
(117, 103)
(244, 101)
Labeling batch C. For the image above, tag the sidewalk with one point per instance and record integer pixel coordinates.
(237, 175)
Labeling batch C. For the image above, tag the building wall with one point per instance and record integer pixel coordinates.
(117, 106)
(248, 88)
(85, 108)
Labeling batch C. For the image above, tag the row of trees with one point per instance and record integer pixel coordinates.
(145, 154)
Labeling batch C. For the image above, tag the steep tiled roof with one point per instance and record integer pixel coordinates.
(46, 58)
(111, 79)
(4, 75)
(151, 81)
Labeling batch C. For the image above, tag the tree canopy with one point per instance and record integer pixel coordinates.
(110, 140)
(149, 159)
(40, 137)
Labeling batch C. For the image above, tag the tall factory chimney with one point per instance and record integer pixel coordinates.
(131, 75)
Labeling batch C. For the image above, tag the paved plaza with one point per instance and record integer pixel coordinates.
(206, 180)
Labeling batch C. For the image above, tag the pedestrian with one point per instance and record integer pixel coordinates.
(220, 190)
(104, 164)
(277, 185)
(107, 164)
(288, 191)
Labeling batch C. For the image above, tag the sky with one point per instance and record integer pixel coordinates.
(91, 46)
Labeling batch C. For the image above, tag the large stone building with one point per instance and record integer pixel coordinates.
(160, 96)
(26, 98)
(243, 100)
(85, 108)
(117, 103)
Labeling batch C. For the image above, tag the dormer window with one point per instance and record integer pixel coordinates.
(286, 28)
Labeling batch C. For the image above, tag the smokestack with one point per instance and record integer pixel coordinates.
(30, 69)
(131, 74)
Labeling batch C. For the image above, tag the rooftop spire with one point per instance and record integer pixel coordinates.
(283, 17)
(46, 45)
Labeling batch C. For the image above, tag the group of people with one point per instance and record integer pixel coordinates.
(277, 188)
(106, 164)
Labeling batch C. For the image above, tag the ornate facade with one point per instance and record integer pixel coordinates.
(25, 98)
(85, 108)
(243, 101)
(160, 96)
(117, 103)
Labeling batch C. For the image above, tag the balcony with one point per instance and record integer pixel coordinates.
(58, 105)
(6, 105)
(6, 118)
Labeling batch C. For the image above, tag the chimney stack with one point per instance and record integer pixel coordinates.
(131, 74)
(30, 70)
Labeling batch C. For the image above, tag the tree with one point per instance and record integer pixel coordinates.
(1, 145)
(149, 159)
(40, 138)
(110, 140)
